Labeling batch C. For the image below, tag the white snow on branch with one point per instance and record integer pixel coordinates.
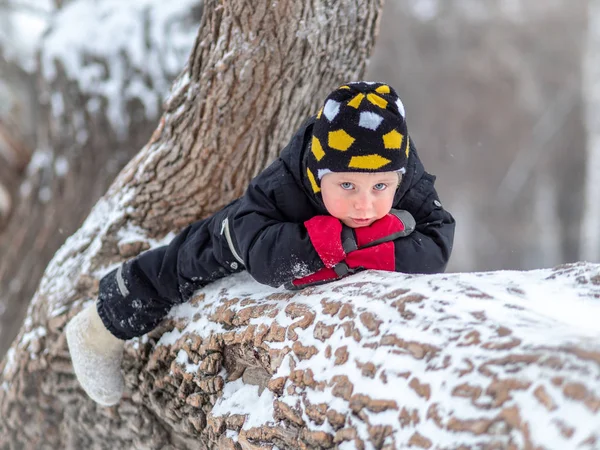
(544, 310)
(132, 233)
(22, 24)
(120, 51)
(238, 396)
(73, 258)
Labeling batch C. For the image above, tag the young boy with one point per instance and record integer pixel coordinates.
(348, 193)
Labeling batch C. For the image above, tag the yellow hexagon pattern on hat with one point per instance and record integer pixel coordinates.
(313, 181)
(356, 101)
(340, 140)
(392, 140)
(368, 162)
(377, 100)
(317, 149)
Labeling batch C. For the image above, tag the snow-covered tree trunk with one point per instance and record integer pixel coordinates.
(99, 99)
(255, 72)
(590, 231)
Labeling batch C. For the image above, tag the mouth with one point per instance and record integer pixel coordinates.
(361, 221)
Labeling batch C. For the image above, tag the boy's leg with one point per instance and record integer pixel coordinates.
(133, 299)
(127, 307)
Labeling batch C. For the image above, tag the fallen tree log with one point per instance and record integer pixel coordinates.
(377, 360)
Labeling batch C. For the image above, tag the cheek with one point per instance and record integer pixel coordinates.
(336, 205)
(384, 205)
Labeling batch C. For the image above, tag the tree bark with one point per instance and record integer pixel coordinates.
(78, 154)
(256, 71)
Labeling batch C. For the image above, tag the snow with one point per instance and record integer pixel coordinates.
(61, 166)
(238, 397)
(22, 28)
(132, 233)
(41, 158)
(145, 43)
(72, 258)
(33, 336)
(541, 310)
(183, 360)
(10, 360)
(425, 10)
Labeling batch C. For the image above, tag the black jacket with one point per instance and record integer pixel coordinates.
(263, 232)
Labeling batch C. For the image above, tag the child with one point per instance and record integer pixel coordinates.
(348, 193)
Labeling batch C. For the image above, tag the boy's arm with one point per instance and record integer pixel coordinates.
(428, 248)
(273, 249)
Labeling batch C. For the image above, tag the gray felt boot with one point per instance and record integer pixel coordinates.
(96, 355)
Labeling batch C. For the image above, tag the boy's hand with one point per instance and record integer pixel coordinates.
(319, 277)
(397, 223)
(378, 257)
(330, 239)
(346, 250)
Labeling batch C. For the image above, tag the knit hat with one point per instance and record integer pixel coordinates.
(361, 128)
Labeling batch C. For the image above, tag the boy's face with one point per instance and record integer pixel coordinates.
(359, 198)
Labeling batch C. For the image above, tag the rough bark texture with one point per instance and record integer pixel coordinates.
(256, 71)
(77, 155)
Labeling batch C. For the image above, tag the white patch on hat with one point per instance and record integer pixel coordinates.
(331, 109)
(400, 106)
(322, 172)
(370, 120)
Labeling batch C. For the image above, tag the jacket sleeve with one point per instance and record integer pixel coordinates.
(428, 248)
(274, 249)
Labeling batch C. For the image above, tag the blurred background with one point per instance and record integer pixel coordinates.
(500, 99)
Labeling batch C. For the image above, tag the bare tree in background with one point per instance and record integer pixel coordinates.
(590, 230)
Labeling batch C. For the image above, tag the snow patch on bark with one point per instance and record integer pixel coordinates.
(131, 233)
(74, 257)
(236, 398)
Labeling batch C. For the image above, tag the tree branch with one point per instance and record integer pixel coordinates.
(12, 6)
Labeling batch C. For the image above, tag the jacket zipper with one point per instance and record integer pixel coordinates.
(225, 230)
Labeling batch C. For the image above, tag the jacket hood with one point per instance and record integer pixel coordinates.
(294, 156)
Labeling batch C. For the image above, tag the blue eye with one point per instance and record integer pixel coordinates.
(380, 186)
(346, 185)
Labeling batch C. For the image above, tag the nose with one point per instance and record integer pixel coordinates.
(362, 201)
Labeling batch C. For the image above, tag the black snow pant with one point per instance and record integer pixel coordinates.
(134, 298)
